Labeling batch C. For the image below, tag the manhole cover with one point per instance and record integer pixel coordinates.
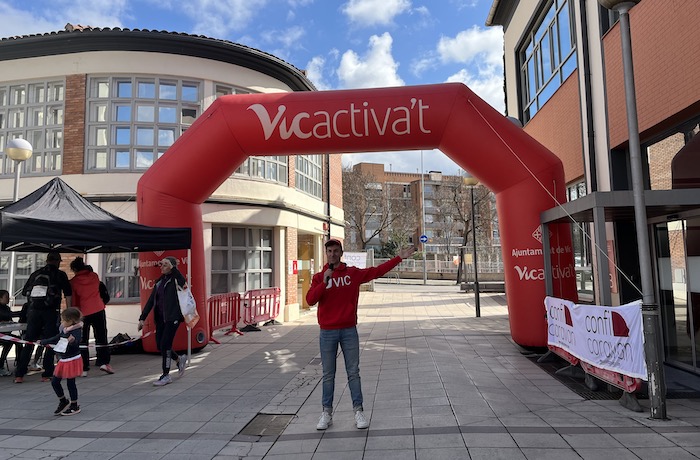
(267, 425)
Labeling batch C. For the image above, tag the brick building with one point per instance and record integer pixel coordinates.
(437, 197)
(564, 81)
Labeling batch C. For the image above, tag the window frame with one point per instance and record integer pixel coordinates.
(125, 126)
(126, 279)
(533, 62)
(257, 244)
(309, 175)
(38, 118)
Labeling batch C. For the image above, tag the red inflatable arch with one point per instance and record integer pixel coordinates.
(523, 174)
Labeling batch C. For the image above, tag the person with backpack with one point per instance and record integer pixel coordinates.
(44, 291)
(87, 296)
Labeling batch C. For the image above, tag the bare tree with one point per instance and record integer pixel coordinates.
(373, 210)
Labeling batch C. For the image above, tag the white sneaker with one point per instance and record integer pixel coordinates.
(324, 421)
(181, 365)
(162, 381)
(84, 374)
(35, 367)
(360, 420)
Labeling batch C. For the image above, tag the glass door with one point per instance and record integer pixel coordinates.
(678, 269)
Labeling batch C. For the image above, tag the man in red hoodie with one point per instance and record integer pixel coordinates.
(337, 289)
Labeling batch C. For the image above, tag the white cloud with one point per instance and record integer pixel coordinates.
(315, 72)
(481, 50)
(462, 4)
(471, 44)
(374, 12)
(217, 18)
(296, 3)
(376, 68)
(475, 46)
(16, 22)
(488, 85)
(289, 38)
(96, 13)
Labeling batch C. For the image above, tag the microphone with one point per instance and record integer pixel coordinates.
(330, 267)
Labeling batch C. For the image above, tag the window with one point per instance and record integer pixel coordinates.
(308, 174)
(133, 120)
(33, 111)
(547, 57)
(121, 276)
(581, 242)
(26, 263)
(661, 152)
(272, 168)
(608, 18)
(241, 259)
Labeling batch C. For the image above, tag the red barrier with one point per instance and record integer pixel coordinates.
(260, 305)
(224, 311)
(621, 381)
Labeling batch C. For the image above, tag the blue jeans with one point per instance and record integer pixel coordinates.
(350, 344)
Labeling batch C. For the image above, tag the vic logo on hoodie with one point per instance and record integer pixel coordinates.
(340, 281)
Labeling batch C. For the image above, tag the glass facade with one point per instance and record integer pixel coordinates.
(131, 121)
(547, 57)
(33, 111)
(241, 259)
(309, 174)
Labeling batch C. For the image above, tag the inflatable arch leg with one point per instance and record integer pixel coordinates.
(525, 177)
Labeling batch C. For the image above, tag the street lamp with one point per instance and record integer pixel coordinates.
(18, 150)
(650, 309)
(472, 182)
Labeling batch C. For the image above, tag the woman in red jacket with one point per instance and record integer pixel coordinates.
(86, 296)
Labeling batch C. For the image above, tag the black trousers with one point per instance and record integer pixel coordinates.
(6, 348)
(98, 322)
(165, 334)
(41, 324)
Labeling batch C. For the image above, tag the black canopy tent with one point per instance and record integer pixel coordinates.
(56, 217)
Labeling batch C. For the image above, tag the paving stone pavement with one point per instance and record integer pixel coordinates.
(438, 383)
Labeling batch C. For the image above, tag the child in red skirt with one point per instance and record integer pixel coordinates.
(70, 363)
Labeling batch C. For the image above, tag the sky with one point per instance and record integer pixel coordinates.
(342, 44)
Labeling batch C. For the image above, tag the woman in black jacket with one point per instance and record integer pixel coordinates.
(167, 317)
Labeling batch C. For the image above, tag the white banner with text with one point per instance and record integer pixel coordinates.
(610, 338)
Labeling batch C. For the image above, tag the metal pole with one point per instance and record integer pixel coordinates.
(13, 254)
(477, 302)
(422, 206)
(650, 310)
(189, 284)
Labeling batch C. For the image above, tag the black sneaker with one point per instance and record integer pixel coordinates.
(72, 410)
(62, 404)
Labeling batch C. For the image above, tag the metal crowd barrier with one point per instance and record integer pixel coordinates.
(260, 305)
(224, 312)
(252, 307)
